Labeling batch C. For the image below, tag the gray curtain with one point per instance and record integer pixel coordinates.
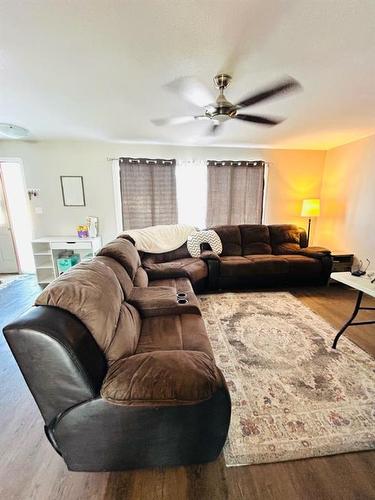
(235, 192)
(148, 192)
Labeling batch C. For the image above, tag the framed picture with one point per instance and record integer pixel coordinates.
(73, 192)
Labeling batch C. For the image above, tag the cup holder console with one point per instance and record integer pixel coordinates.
(182, 298)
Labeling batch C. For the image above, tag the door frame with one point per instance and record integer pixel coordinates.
(10, 222)
(18, 160)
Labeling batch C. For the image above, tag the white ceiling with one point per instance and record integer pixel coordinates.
(95, 69)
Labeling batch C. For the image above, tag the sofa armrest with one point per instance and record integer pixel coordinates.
(162, 301)
(315, 252)
(162, 378)
(324, 256)
(213, 264)
(209, 255)
(58, 357)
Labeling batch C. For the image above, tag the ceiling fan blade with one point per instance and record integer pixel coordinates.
(283, 87)
(263, 120)
(177, 120)
(192, 90)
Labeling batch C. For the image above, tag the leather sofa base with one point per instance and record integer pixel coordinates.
(99, 436)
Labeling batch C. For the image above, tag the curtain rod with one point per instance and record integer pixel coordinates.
(109, 158)
(137, 160)
(266, 163)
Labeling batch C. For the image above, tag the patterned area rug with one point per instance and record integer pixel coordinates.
(292, 395)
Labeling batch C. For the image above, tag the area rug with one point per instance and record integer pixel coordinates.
(293, 396)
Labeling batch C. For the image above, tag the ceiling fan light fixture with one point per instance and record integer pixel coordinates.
(221, 117)
(12, 131)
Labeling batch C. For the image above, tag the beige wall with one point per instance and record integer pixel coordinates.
(347, 221)
(293, 175)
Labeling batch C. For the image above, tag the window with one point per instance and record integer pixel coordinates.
(191, 176)
(148, 192)
(197, 192)
(235, 192)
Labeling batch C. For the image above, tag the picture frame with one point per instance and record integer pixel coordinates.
(73, 191)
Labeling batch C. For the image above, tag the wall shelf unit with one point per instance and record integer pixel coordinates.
(46, 251)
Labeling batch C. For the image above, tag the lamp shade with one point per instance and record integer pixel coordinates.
(310, 207)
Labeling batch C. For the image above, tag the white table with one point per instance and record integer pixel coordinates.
(363, 285)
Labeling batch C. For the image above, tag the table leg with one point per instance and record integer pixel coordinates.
(355, 312)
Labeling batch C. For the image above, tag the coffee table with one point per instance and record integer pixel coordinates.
(363, 285)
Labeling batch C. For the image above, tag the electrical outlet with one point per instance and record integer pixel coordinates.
(38, 210)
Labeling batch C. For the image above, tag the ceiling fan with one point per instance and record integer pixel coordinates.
(221, 109)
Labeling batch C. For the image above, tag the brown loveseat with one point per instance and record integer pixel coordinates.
(253, 256)
(123, 375)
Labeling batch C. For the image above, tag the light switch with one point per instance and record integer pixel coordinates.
(38, 210)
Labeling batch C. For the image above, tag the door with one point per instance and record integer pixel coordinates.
(8, 258)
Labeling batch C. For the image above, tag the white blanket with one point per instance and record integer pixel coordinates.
(159, 239)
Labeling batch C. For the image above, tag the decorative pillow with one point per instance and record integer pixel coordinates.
(195, 240)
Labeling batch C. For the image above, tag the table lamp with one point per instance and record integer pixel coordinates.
(310, 208)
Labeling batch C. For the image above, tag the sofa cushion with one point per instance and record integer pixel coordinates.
(121, 275)
(285, 238)
(179, 284)
(230, 237)
(301, 265)
(141, 278)
(178, 332)
(162, 378)
(255, 239)
(91, 292)
(156, 258)
(268, 264)
(125, 339)
(125, 253)
(236, 266)
(193, 268)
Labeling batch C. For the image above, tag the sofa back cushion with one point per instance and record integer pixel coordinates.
(141, 278)
(91, 292)
(125, 253)
(158, 258)
(286, 238)
(255, 239)
(122, 276)
(124, 342)
(230, 238)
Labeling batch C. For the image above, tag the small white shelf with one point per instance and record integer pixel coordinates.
(46, 251)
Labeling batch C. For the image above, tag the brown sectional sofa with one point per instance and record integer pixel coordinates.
(253, 256)
(123, 375)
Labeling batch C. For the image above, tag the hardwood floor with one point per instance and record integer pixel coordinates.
(30, 469)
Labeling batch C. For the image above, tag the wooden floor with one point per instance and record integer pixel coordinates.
(30, 468)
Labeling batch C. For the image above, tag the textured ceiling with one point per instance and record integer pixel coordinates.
(95, 69)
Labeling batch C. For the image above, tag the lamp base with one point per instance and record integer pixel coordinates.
(308, 231)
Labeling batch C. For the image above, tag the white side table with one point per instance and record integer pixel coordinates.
(363, 285)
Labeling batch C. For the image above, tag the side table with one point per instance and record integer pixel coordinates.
(342, 262)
